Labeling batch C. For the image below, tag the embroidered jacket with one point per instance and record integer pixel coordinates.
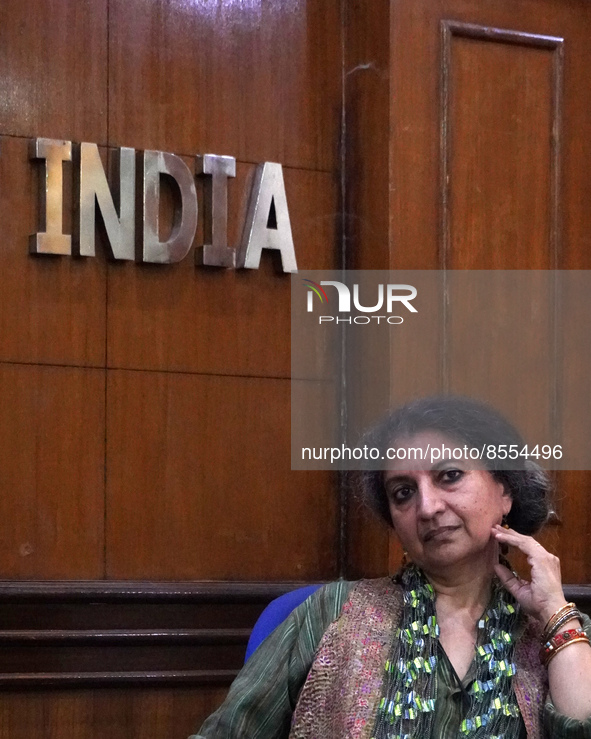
(319, 674)
(341, 694)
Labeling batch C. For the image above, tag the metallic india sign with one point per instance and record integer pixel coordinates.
(130, 207)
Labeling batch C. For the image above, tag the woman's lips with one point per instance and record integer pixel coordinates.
(439, 532)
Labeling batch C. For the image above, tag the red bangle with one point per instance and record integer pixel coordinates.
(550, 647)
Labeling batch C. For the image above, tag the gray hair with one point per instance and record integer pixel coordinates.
(469, 422)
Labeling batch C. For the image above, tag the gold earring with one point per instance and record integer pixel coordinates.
(504, 548)
(405, 559)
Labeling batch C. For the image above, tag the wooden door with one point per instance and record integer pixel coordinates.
(467, 149)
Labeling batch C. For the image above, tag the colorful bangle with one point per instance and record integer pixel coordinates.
(557, 614)
(559, 641)
(555, 617)
(573, 613)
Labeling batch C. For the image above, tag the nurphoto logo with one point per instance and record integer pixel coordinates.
(389, 296)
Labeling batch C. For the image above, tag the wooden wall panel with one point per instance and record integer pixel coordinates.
(260, 81)
(366, 223)
(415, 203)
(527, 234)
(107, 714)
(573, 487)
(414, 150)
(198, 319)
(52, 55)
(198, 482)
(52, 462)
(500, 347)
(189, 474)
(197, 465)
(500, 120)
(187, 79)
(575, 212)
(499, 154)
(573, 541)
(367, 134)
(52, 309)
(416, 206)
(517, 164)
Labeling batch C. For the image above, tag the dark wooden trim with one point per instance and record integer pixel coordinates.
(502, 35)
(92, 634)
(46, 637)
(61, 680)
(580, 594)
(110, 591)
(106, 633)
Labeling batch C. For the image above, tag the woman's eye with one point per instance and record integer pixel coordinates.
(451, 475)
(401, 493)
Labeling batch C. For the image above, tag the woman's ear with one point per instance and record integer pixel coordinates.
(506, 502)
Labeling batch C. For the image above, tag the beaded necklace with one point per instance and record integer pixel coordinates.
(407, 707)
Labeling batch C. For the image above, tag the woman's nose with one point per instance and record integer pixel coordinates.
(430, 499)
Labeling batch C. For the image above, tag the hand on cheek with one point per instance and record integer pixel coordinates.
(542, 595)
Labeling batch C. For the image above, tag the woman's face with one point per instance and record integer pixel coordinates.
(443, 510)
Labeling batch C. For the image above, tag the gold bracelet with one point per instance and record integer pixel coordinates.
(574, 613)
(551, 654)
(556, 615)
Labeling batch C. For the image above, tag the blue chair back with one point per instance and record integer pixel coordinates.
(276, 613)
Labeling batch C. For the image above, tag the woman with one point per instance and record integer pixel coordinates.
(455, 645)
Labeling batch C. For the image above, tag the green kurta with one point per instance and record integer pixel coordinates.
(263, 697)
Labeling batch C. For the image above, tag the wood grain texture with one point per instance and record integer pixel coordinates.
(90, 634)
(53, 56)
(499, 116)
(414, 150)
(208, 493)
(500, 346)
(366, 225)
(41, 653)
(52, 309)
(574, 361)
(572, 540)
(575, 180)
(197, 319)
(503, 209)
(259, 81)
(415, 203)
(108, 714)
(52, 461)
(367, 134)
